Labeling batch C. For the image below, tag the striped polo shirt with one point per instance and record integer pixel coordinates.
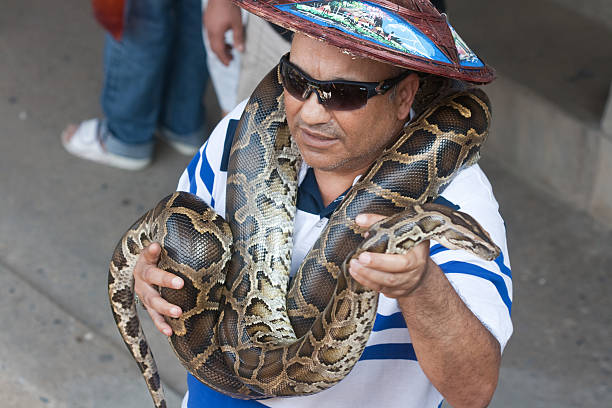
(388, 373)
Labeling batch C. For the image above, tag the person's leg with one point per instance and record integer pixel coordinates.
(182, 118)
(134, 76)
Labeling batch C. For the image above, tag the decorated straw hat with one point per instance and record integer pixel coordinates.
(407, 33)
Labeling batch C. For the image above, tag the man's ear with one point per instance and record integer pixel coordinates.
(404, 96)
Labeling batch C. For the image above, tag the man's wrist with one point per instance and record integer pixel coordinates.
(426, 293)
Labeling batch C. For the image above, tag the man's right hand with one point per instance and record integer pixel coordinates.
(147, 274)
(219, 17)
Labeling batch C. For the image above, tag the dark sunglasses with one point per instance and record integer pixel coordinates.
(333, 95)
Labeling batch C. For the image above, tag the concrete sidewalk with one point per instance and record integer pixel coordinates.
(51, 359)
(61, 217)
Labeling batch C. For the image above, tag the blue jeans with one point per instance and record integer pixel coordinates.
(155, 76)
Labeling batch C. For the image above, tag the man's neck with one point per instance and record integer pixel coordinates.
(332, 184)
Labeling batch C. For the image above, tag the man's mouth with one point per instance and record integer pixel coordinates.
(315, 139)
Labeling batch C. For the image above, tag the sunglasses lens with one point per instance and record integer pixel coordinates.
(345, 96)
(294, 82)
(332, 95)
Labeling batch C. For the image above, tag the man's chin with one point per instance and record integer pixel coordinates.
(323, 162)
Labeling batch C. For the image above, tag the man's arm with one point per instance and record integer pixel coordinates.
(220, 17)
(457, 353)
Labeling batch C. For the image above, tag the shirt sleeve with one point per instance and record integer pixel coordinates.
(484, 286)
(206, 174)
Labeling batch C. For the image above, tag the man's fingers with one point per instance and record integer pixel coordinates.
(394, 275)
(363, 275)
(396, 263)
(160, 322)
(161, 306)
(147, 275)
(155, 276)
(379, 276)
(387, 262)
(158, 307)
(389, 283)
(367, 220)
(151, 253)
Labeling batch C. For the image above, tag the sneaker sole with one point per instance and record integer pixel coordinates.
(110, 159)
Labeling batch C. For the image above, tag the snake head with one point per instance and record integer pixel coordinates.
(453, 229)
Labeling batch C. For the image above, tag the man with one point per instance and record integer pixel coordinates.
(443, 315)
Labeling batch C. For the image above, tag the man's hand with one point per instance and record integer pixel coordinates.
(221, 16)
(147, 274)
(394, 275)
(458, 354)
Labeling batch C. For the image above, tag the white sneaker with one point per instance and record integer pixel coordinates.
(85, 142)
(181, 147)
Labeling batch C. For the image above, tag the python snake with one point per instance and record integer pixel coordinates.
(247, 329)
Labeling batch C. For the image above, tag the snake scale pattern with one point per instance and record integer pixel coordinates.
(247, 329)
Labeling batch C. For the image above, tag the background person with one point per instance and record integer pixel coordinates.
(154, 81)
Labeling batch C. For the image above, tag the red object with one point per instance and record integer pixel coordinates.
(110, 14)
(418, 13)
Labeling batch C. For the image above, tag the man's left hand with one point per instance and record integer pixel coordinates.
(394, 275)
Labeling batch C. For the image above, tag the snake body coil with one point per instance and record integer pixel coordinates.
(246, 329)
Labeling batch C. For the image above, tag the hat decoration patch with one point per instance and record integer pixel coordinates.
(467, 57)
(373, 23)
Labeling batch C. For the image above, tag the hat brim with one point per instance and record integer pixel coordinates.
(395, 36)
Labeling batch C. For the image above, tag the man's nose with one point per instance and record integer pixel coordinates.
(312, 111)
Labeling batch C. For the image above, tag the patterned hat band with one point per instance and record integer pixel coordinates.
(407, 33)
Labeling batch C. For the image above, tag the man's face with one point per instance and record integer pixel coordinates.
(341, 141)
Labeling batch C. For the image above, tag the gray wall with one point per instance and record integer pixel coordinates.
(600, 10)
(554, 67)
